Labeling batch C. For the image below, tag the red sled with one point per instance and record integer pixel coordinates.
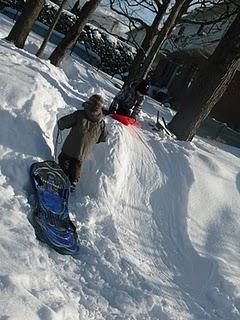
(125, 120)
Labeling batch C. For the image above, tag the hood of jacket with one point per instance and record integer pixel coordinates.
(93, 112)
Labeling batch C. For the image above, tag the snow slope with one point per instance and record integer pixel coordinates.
(158, 220)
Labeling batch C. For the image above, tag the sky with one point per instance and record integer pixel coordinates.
(158, 220)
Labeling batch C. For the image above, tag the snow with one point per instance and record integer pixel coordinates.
(158, 219)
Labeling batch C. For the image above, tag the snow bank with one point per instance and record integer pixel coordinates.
(158, 220)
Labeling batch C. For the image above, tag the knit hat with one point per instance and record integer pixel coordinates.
(143, 86)
(96, 99)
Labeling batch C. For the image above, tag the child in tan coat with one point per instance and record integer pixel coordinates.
(87, 129)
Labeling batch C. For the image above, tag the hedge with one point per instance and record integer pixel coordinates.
(115, 55)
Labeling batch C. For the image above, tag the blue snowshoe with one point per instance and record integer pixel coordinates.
(51, 218)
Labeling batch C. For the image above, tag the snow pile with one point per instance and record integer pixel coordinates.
(158, 220)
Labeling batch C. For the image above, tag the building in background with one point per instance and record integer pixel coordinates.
(136, 36)
(185, 51)
(114, 24)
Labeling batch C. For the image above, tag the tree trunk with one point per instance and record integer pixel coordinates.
(73, 34)
(50, 30)
(23, 25)
(162, 36)
(146, 45)
(210, 84)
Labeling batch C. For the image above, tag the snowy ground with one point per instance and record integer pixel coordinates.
(158, 220)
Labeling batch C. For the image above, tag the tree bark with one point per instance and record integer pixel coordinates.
(73, 34)
(208, 87)
(24, 23)
(50, 30)
(162, 36)
(146, 45)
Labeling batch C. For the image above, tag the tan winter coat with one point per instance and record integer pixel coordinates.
(87, 129)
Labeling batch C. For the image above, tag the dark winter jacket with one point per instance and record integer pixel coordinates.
(128, 101)
(87, 129)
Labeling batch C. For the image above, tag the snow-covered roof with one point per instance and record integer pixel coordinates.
(105, 18)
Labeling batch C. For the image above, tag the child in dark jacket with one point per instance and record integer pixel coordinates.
(87, 129)
(129, 100)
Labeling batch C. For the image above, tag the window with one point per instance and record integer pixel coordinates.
(200, 30)
(181, 30)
